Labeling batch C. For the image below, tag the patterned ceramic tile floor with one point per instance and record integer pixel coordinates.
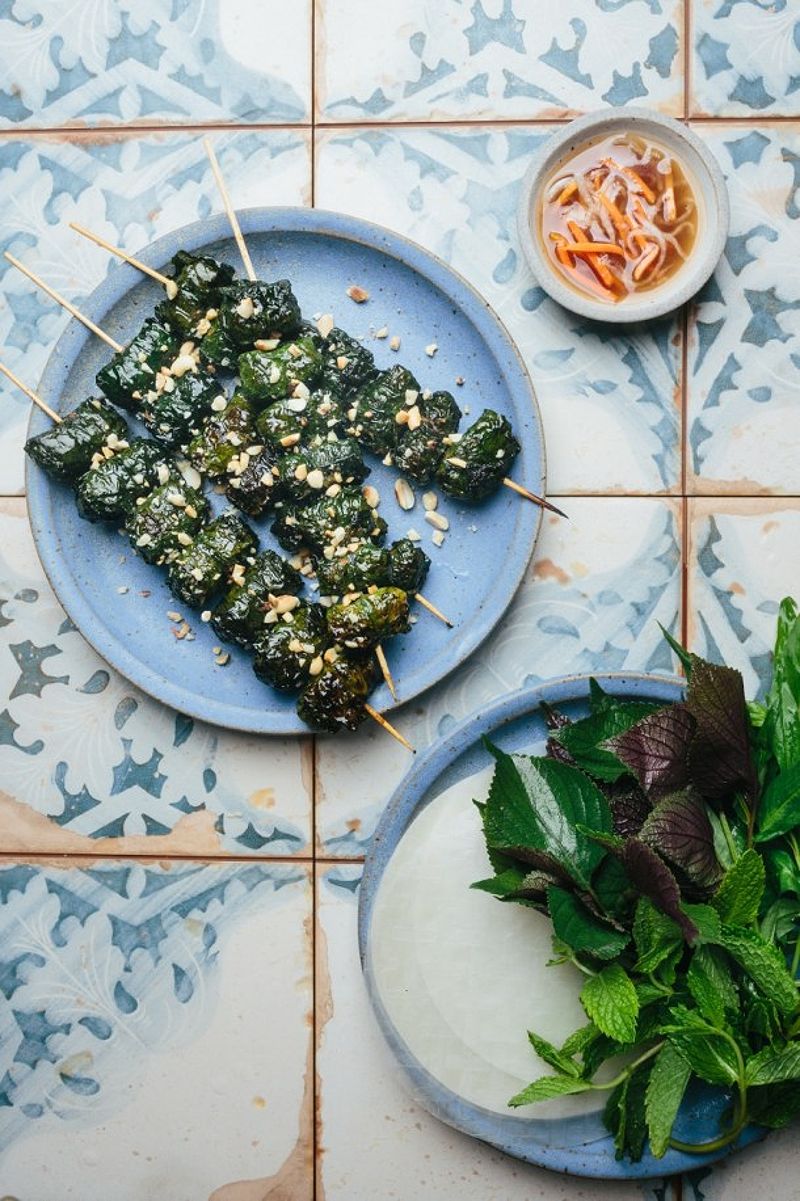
(181, 1011)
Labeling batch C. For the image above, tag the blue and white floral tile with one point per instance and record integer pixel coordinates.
(597, 588)
(743, 371)
(744, 557)
(90, 765)
(92, 64)
(155, 1031)
(129, 189)
(610, 397)
(375, 1140)
(449, 59)
(745, 58)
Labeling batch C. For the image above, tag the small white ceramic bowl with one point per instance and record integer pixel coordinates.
(704, 176)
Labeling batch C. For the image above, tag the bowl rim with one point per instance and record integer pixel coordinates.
(661, 300)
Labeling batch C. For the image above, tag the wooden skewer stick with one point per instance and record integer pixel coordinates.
(537, 500)
(37, 400)
(432, 609)
(65, 304)
(380, 655)
(381, 720)
(122, 254)
(226, 200)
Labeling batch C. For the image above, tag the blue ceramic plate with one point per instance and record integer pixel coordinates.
(474, 575)
(449, 1021)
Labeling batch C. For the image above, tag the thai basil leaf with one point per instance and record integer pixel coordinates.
(665, 1089)
(651, 877)
(765, 966)
(779, 808)
(679, 828)
(656, 936)
(580, 929)
(773, 1065)
(610, 1001)
(738, 897)
(710, 983)
(547, 1087)
(719, 757)
(552, 1056)
(585, 739)
(656, 749)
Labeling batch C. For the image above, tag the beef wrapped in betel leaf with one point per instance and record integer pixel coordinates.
(162, 524)
(131, 373)
(355, 571)
(346, 363)
(194, 290)
(253, 310)
(229, 428)
(300, 419)
(289, 653)
(363, 623)
(111, 488)
(408, 566)
(328, 523)
(254, 478)
(175, 415)
(88, 434)
(476, 463)
(322, 467)
(334, 700)
(269, 586)
(267, 375)
(420, 446)
(378, 414)
(219, 550)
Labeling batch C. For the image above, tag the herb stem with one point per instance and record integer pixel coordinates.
(629, 1070)
(726, 831)
(739, 1116)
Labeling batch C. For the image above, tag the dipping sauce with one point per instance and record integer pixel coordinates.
(619, 217)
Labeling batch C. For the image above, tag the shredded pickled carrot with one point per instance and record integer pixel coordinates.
(594, 248)
(602, 272)
(621, 223)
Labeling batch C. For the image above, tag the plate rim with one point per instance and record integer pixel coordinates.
(120, 279)
(593, 1158)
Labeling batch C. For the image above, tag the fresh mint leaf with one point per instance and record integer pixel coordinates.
(782, 724)
(781, 920)
(719, 756)
(710, 983)
(765, 966)
(551, 1055)
(610, 1001)
(721, 848)
(580, 929)
(656, 749)
(679, 828)
(665, 1089)
(774, 1105)
(547, 1087)
(656, 936)
(585, 739)
(779, 809)
(579, 1039)
(684, 656)
(535, 805)
(708, 1053)
(706, 920)
(624, 1114)
(652, 878)
(773, 1065)
(738, 897)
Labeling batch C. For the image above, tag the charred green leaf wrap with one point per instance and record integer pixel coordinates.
(66, 449)
(335, 699)
(369, 619)
(374, 410)
(225, 432)
(217, 548)
(354, 572)
(488, 448)
(267, 375)
(419, 451)
(175, 417)
(408, 566)
(160, 524)
(294, 419)
(285, 651)
(110, 489)
(308, 471)
(131, 372)
(346, 364)
(241, 614)
(253, 479)
(329, 522)
(198, 279)
(250, 310)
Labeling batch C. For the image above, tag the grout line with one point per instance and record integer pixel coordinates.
(687, 58)
(315, 1027)
(10, 856)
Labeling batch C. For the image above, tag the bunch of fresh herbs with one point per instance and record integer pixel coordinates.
(662, 841)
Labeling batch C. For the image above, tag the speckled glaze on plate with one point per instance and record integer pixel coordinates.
(474, 575)
(578, 1143)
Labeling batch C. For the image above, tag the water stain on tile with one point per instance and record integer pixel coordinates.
(546, 569)
(262, 798)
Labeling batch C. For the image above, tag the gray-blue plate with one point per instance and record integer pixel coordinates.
(578, 1144)
(474, 575)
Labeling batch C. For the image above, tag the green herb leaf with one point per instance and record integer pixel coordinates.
(765, 966)
(585, 739)
(706, 920)
(719, 757)
(782, 919)
(656, 936)
(683, 655)
(624, 1114)
(665, 1089)
(779, 810)
(610, 1001)
(774, 1105)
(782, 724)
(612, 887)
(580, 929)
(550, 1054)
(707, 1052)
(579, 1039)
(547, 1087)
(679, 828)
(535, 804)
(783, 871)
(652, 878)
(656, 749)
(774, 1064)
(710, 983)
(738, 897)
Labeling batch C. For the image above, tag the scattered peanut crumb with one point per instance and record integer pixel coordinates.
(394, 343)
(123, 588)
(431, 349)
(383, 332)
(359, 295)
(437, 537)
(460, 381)
(222, 659)
(325, 324)
(430, 501)
(174, 616)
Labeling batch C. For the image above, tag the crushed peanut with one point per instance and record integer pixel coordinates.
(359, 295)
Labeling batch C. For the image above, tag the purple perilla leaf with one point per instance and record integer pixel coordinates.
(652, 878)
(656, 749)
(679, 829)
(719, 757)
